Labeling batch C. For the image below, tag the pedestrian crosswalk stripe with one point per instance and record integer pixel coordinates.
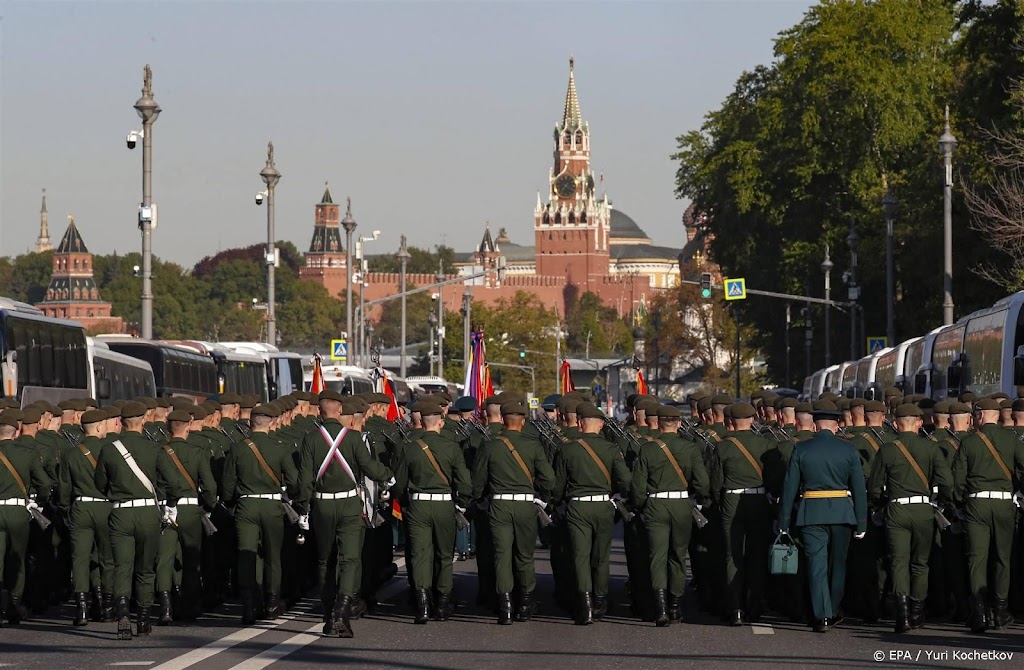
(279, 651)
(762, 629)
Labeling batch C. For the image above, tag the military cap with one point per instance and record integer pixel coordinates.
(569, 405)
(179, 415)
(298, 395)
(804, 408)
(787, 403)
(743, 410)
(669, 412)
(43, 406)
(331, 394)
(647, 405)
(874, 406)
(493, 399)
(550, 402)
(445, 396)
(857, 402)
(66, 405)
(1005, 403)
(697, 395)
(825, 410)
(843, 404)
(514, 407)
(354, 405)
(132, 409)
(759, 393)
(9, 403)
(967, 396)
(926, 404)
(199, 413)
(94, 416)
(959, 408)
(769, 399)
(987, 404)
(721, 399)
(704, 404)
(31, 415)
(210, 407)
(314, 398)
(998, 395)
(908, 410)
(113, 411)
(381, 398)
(891, 392)
(250, 401)
(150, 403)
(941, 407)
(465, 403)
(211, 403)
(181, 403)
(424, 408)
(1018, 405)
(8, 419)
(727, 411)
(230, 399)
(267, 410)
(79, 404)
(588, 410)
(631, 400)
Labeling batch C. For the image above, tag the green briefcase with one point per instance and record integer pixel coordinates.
(784, 558)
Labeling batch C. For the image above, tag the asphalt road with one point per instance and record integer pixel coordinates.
(472, 640)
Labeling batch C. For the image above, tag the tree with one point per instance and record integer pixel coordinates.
(417, 310)
(421, 261)
(596, 328)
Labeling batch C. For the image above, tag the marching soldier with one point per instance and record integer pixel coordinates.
(668, 480)
(868, 565)
(905, 472)
(588, 471)
(513, 470)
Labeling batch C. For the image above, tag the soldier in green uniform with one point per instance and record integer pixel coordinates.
(903, 475)
(706, 551)
(88, 519)
(827, 472)
(668, 480)
(588, 471)
(229, 408)
(634, 533)
(750, 470)
(983, 472)
(334, 462)
(379, 435)
(23, 483)
(41, 590)
(256, 471)
(133, 473)
(193, 477)
(513, 471)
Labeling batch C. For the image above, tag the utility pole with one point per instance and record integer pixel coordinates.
(148, 111)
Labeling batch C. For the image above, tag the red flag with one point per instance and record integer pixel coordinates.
(488, 384)
(565, 375)
(389, 391)
(641, 383)
(317, 385)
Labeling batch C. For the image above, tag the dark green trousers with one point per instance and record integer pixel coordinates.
(513, 526)
(989, 528)
(590, 540)
(339, 529)
(134, 538)
(259, 525)
(89, 525)
(669, 526)
(910, 529)
(14, 533)
(430, 529)
(486, 578)
(826, 548)
(180, 552)
(746, 533)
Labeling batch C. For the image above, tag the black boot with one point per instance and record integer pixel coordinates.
(329, 628)
(17, 612)
(736, 618)
(916, 609)
(600, 605)
(445, 607)
(661, 617)
(359, 608)
(343, 616)
(275, 607)
(96, 607)
(81, 610)
(142, 624)
(1003, 616)
(248, 608)
(585, 610)
(675, 608)
(4, 602)
(977, 620)
(505, 609)
(422, 606)
(124, 624)
(165, 609)
(108, 607)
(527, 606)
(902, 614)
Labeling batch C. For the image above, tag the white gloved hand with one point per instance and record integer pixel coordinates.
(1018, 499)
(172, 515)
(32, 505)
(859, 536)
(538, 501)
(390, 483)
(208, 515)
(461, 509)
(304, 522)
(385, 495)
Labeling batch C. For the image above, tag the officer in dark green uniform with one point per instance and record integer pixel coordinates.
(513, 471)
(229, 408)
(43, 546)
(334, 461)
(668, 479)
(256, 471)
(903, 475)
(983, 472)
(194, 478)
(431, 473)
(88, 519)
(827, 472)
(380, 435)
(588, 471)
(134, 474)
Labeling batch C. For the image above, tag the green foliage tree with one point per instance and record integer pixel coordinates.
(389, 327)
(421, 261)
(596, 328)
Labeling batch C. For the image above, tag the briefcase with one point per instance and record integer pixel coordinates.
(783, 558)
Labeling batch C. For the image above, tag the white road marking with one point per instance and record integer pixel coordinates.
(217, 646)
(277, 652)
(762, 629)
(133, 663)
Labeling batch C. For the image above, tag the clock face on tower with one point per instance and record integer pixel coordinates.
(565, 186)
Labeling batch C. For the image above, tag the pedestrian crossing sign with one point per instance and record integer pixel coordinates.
(876, 344)
(534, 403)
(339, 350)
(735, 289)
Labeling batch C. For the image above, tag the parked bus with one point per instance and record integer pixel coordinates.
(177, 370)
(284, 368)
(345, 379)
(117, 376)
(41, 357)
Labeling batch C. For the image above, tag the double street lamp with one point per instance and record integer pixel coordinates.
(270, 177)
(349, 224)
(148, 111)
(946, 145)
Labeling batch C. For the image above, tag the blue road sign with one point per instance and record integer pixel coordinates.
(735, 289)
(339, 350)
(876, 344)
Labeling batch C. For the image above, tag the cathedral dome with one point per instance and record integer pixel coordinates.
(624, 230)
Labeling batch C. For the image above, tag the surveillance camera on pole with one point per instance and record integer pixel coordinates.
(133, 138)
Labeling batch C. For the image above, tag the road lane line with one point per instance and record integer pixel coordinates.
(277, 652)
(762, 629)
(139, 663)
(212, 649)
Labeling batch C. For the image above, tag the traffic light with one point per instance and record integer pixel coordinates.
(705, 285)
(522, 353)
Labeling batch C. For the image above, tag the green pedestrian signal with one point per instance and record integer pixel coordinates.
(522, 353)
(705, 285)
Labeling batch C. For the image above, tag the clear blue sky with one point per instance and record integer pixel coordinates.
(434, 117)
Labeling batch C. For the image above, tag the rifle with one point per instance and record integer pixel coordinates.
(70, 438)
(940, 518)
(461, 522)
(208, 527)
(621, 508)
(39, 518)
(622, 433)
(698, 518)
(549, 435)
(542, 515)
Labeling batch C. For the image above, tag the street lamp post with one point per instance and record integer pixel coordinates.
(826, 267)
(349, 224)
(946, 144)
(854, 291)
(270, 177)
(440, 322)
(889, 207)
(432, 323)
(148, 111)
(403, 259)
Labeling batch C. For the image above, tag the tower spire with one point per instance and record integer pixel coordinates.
(571, 114)
(43, 241)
